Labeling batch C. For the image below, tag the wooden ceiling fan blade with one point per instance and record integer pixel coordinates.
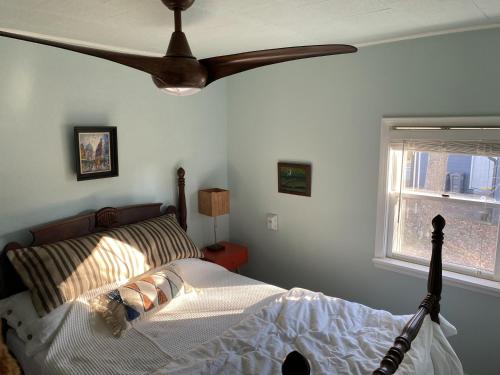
(223, 66)
(148, 64)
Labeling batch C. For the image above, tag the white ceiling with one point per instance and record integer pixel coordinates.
(217, 27)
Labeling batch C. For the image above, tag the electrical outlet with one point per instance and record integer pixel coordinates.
(272, 222)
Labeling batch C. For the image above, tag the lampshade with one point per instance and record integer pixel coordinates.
(213, 202)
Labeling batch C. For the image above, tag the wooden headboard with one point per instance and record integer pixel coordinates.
(88, 223)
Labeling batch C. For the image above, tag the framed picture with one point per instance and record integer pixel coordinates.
(96, 151)
(294, 179)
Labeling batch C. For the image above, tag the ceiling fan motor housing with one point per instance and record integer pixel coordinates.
(181, 68)
(181, 72)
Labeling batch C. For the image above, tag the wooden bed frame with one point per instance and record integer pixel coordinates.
(109, 217)
(429, 305)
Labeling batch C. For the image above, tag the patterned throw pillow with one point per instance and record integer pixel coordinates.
(131, 302)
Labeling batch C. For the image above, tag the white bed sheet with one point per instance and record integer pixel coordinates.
(212, 301)
(30, 364)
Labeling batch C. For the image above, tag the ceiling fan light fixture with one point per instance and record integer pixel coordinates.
(183, 87)
(181, 91)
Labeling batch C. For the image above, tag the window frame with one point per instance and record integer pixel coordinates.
(398, 129)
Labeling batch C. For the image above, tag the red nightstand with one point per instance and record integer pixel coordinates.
(232, 257)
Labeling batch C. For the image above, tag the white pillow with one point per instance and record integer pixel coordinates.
(19, 312)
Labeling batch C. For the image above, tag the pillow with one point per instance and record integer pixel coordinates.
(61, 271)
(122, 307)
(35, 332)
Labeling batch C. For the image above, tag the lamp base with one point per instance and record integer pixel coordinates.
(216, 247)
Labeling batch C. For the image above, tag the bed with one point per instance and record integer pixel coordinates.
(221, 322)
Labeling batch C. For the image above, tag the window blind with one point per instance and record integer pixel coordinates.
(451, 147)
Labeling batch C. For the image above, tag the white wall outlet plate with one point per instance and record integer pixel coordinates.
(272, 222)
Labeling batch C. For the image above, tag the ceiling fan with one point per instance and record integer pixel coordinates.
(179, 72)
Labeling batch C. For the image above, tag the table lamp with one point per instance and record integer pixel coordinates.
(213, 202)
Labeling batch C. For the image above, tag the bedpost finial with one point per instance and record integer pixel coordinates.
(181, 172)
(438, 223)
(181, 207)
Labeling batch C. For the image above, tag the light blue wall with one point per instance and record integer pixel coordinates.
(328, 111)
(44, 92)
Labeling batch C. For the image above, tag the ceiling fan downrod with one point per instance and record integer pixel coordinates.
(178, 45)
(183, 74)
(178, 19)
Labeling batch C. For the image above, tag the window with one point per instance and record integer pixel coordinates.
(441, 166)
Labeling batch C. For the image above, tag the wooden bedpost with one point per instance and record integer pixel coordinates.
(182, 210)
(435, 279)
(430, 305)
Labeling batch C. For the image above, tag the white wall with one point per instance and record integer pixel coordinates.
(328, 111)
(44, 92)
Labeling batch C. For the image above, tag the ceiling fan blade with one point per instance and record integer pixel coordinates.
(148, 64)
(223, 66)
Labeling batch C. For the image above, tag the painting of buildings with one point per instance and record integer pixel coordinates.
(95, 152)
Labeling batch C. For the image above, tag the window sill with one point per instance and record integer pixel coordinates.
(472, 283)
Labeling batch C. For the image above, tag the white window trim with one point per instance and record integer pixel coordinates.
(456, 128)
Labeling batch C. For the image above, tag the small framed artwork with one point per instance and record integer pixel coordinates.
(294, 178)
(96, 151)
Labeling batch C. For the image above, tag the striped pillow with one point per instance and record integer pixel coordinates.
(61, 271)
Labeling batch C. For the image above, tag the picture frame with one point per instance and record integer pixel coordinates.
(294, 178)
(96, 152)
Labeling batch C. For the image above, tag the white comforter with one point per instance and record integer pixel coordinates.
(224, 323)
(337, 337)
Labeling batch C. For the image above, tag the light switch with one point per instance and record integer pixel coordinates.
(272, 222)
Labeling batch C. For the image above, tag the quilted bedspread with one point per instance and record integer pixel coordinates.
(336, 336)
